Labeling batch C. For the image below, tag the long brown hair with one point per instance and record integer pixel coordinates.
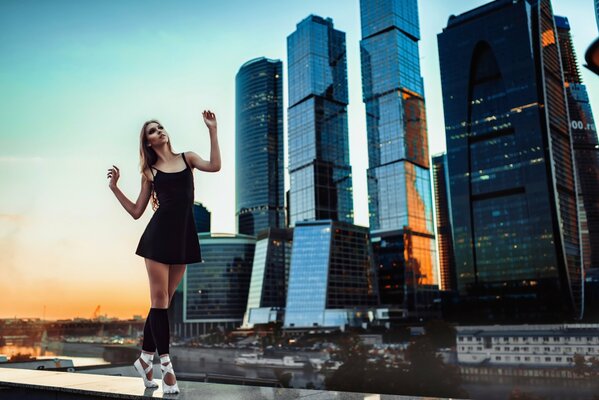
(148, 157)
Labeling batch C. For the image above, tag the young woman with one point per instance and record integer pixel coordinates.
(170, 240)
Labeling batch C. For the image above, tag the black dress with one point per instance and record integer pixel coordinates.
(170, 237)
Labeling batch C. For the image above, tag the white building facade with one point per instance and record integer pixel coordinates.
(527, 345)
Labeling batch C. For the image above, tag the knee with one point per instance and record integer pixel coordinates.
(160, 298)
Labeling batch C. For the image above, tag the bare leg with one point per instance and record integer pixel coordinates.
(164, 280)
(175, 274)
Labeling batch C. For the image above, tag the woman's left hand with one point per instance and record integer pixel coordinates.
(209, 119)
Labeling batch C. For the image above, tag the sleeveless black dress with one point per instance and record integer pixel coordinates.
(170, 236)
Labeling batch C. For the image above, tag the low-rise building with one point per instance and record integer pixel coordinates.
(531, 345)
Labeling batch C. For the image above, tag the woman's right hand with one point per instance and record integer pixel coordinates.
(113, 174)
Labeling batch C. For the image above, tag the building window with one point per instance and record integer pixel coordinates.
(498, 358)
(547, 358)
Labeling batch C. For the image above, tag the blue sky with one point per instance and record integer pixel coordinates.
(78, 79)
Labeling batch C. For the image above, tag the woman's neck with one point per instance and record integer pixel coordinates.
(164, 154)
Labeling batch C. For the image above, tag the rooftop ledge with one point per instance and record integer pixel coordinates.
(25, 384)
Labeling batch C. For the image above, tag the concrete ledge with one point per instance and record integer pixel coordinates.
(23, 384)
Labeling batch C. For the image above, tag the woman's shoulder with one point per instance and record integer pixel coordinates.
(147, 173)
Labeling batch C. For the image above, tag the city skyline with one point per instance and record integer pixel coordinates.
(91, 77)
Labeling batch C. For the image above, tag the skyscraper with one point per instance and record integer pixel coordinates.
(448, 278)
(510, 164)
(400, 202)
(270, 272)
(320, 174)
(201, 217)
(260, 202)
(216, 291)
(586, 147)
(332, 277)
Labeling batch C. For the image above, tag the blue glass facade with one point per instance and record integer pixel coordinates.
(260, 202)
(331, 274)
(217, 289)
(400, 200)
(509, 160)
(320, 174)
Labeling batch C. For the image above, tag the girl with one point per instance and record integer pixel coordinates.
(169, 242)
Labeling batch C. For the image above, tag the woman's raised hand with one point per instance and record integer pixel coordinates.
(113, 174)
(209, 119)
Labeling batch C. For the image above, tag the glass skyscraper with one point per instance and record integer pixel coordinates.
(446, 259)
(586, 147)
(270, 272)
(216, 290)
(260, 201)
(510, 164)
(319, 170)
(400, 201)
(201, 217)
(332, 279)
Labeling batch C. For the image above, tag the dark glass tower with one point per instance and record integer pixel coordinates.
(511, 169)
(201, 217)
(586, 147)
(442, 207)
(216, 291)
(400, 202)
(320, 174)
(260, 202)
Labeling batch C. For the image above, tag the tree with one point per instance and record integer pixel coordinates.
(424, 374)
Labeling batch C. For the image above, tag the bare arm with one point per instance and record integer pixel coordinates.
(198, 162)
(136, 209)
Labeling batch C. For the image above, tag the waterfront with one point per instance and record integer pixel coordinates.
(197, 361)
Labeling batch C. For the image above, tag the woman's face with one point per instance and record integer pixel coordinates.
(155, 134)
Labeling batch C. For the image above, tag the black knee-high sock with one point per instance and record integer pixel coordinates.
(160, 329)
(148, 343)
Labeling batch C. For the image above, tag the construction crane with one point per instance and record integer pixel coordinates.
(96, 312)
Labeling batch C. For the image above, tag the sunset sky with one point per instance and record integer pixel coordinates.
(79, 78)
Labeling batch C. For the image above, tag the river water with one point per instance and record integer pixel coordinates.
(220, 361)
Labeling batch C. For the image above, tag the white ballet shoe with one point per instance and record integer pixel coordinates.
(147, 358)
(167, 369)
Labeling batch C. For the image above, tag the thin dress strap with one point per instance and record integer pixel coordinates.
(183, 155)
(152, 170)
